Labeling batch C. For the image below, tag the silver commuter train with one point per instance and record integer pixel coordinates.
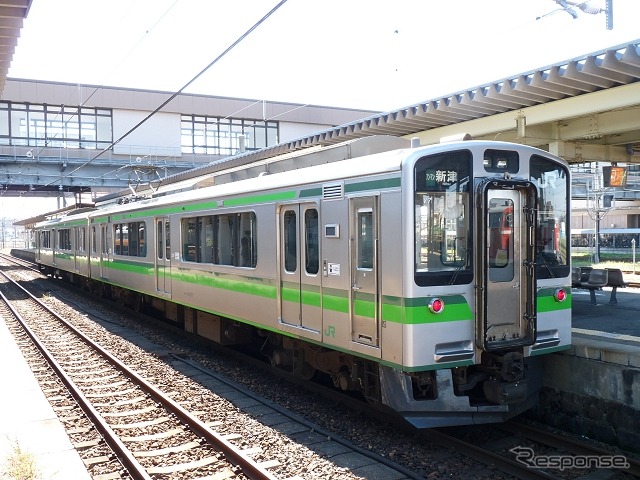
(431, 279)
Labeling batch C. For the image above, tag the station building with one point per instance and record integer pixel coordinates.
(85, 139)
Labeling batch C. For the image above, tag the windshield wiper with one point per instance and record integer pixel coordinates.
(546, 265)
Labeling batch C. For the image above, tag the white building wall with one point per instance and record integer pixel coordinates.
(292, 131)
(158, 137)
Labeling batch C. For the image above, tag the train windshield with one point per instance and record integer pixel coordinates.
(443, 219)
(552, 180)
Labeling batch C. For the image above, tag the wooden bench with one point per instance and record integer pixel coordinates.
(593, 279)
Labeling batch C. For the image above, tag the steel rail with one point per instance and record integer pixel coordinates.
(248, 466)
(504, 464)
(577, 447)
(124, 455)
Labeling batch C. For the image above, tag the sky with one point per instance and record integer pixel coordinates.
(365, 54)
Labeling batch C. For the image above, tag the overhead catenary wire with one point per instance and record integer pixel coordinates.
(178, 92)
(83, 103)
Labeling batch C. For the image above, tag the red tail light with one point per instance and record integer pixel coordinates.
(560, 294)
(436, 305)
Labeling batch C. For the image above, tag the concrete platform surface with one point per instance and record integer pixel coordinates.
(28, 424)
(617, 319)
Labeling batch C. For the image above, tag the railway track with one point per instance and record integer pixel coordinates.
(132, 416)
(289, 452)
(491, 452)
(528, 451)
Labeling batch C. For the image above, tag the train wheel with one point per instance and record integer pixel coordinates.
(137, 302)
(105, 290)
(305, 371)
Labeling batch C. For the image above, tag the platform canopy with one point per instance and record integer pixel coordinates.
(12, 15)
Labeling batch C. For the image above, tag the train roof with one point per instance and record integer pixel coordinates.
(380, 163)
(377, 163)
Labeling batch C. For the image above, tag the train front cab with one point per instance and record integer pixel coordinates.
(483, 298)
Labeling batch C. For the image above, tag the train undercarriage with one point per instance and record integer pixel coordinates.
(501, 384)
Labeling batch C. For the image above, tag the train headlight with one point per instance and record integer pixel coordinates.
(560, 294)
(436, 305)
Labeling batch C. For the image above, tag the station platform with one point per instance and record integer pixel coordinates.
(593, 388)
(31, 436)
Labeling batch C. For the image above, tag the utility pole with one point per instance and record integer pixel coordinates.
(599, 203)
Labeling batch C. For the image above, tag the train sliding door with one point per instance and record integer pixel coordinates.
(364, 295)
(163, 256)
(300, 281)
(506, 268)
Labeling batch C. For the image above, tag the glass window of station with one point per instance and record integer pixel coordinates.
(55, 126)
(222, 136)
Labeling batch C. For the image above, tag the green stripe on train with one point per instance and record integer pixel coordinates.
(394, 309)
(372, 185)
(408, 311)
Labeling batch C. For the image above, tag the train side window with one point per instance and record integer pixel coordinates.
(94, 240)
(290, 246)
(129, 239)
(189, 239)
(64, 239)
(133, 245)
(81, 239)
(205, 239)
(224, 232)
(117, 239)
(197, 239)
(227, 239)
(142, 241)
(311, 245)
(247, 235)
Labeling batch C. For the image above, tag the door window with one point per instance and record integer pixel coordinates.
(167, 241)
(311, 246)
(290, 246)
(365, 240)
(160, 248)
(500, 240)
